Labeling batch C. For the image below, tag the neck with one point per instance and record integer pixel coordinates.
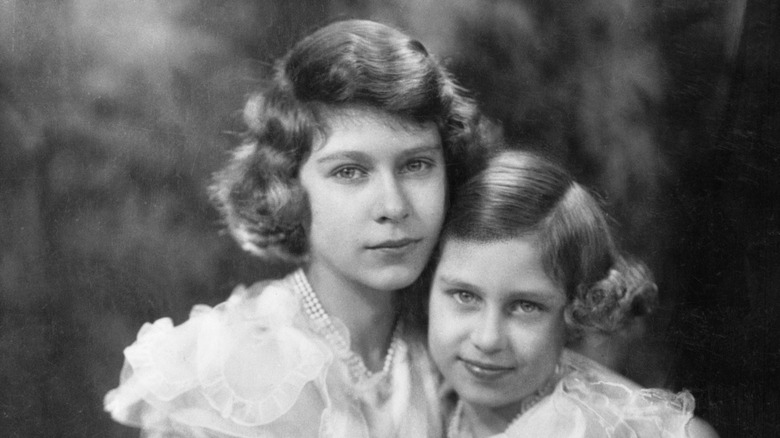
(483, 421)
(368, 314)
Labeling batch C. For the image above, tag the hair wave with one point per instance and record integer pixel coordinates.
(350, 63)
(519, 194)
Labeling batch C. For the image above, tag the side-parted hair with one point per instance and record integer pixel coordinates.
(353, 63)
(522, 194)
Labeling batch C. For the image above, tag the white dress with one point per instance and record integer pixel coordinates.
(257, 366)
(591, 401)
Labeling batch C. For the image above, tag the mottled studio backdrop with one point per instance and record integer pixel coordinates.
(113, 114)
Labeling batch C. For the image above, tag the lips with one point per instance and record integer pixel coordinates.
(394, 244)
(486, 370)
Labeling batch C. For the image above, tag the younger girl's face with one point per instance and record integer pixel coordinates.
(496, 321)
(377, 191)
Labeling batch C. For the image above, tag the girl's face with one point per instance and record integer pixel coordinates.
(377, 189)
(496, 321)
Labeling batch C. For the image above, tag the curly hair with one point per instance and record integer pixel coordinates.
(353, 63)
(519, 194)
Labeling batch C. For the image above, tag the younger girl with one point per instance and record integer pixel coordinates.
(526, 262)
(345, 169)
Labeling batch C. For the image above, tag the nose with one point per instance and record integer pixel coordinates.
(488, 334)
(392, 204)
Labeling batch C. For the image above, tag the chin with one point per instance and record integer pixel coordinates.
(486, 398)
(394, 277)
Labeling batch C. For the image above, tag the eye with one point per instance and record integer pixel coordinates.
(524, 307)
(418, 166)
(349, 173)
(464, 297)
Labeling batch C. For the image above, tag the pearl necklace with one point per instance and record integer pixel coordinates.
(316, 313)
(454, 425)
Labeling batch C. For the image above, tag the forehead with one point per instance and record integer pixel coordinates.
(357, 123)
(501, 268)
(344, 116)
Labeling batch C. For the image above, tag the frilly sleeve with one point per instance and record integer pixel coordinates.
(239, 366)
(631, 412)
(594, 402)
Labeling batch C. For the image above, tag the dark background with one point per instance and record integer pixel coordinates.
(113, 114)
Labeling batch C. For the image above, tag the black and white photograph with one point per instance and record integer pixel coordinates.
(390, 219)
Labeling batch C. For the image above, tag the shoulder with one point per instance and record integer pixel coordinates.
(274, 301)
(591, 377)
(698, 428)
(622, 402)
(247, 360)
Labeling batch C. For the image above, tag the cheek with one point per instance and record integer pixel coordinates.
(322, 212)
(558, 329)
(317, 198)
(538, 343)
(444, 329)
(430, 200)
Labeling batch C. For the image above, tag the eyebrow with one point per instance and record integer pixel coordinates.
(458, 284)
(512, 295)
(361, 156)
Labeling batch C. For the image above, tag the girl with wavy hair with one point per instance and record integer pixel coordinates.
(527, 262)
(345, 170)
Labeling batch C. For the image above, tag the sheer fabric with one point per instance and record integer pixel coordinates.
(591, 401)
(254, 366)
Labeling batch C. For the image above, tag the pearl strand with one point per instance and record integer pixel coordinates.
(315, 312)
